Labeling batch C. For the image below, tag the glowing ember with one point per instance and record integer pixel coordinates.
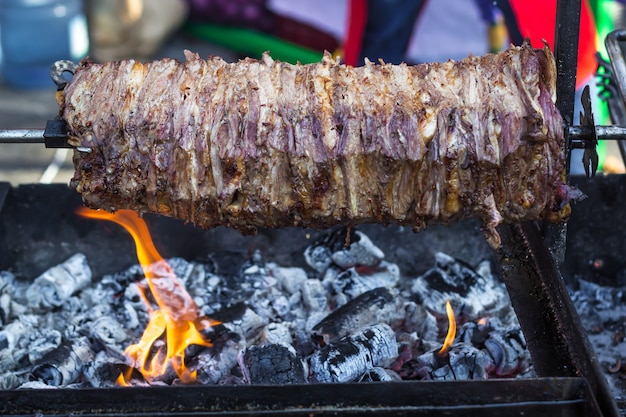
(177, 317)
(482, 321)
(451, 331)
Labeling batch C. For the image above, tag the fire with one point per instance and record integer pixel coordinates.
(177, 316)
(451, 331)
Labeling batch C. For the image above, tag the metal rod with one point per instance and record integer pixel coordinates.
(577, 134)
(22, 136)
(602, 132)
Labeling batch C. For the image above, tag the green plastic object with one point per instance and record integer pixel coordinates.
(252, 43)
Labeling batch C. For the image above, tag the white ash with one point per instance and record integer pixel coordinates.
(64, 364)
(282, 314)
(54, 287)
(602, 311)
(379, 374)
(474, 292)
(350, 357)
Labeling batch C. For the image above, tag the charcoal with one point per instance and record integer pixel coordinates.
(345, 248)
(215, 363)
(10, 380)
(508, 353)
(130, 317)
(5, 309)
(355, 281)
(462, 362)
(6, 296)
(318, 257)
(351, 356)
(241, 320)
(506, 347)
(57, 284)
(63, 365)
(7, 280)
(107, 331)
(314, 295)
(361, 251)
(103, 371)
(319, 254)
(276, 333)
(455, 281)
(197, 278)
(281, 311)
(290, 279)
(134, 295)
(13, 333)
(375, 306)
(45, 341)
(272, 364)
(378, 374)
(420, 321)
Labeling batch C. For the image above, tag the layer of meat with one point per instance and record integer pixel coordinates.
(261, 143)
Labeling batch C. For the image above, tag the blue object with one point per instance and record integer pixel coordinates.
(36, 33)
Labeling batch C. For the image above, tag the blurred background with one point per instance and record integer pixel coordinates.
(35, 33)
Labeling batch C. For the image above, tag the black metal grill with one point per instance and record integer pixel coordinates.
(40, 220)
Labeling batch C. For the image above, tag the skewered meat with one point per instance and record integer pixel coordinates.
(261, 143)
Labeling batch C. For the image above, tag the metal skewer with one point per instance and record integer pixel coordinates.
(22, 136)
(53, 136)
(55, 132)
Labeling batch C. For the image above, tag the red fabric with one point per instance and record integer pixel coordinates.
(536, 20)
(357, 17)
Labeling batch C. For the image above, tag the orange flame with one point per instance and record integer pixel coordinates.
(177, 316)
(451, 331)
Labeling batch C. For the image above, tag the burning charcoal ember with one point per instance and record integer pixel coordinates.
(462, 362)
(319, 254)
(10, 380)
(7, 289)
(57, 284)
(63, 365)
(276, 333)
(272, 364)
(314, 295)
(345, 248)
(197, 278)
(107, 331)
(483, 349)
(355, 281)
(241, 320)
(318, 257)
(134, 296)
(130, 317)
(375, 306)
(44, 341)
(215, 364)
(454, 280)
(420, 321)
(508, 353)
(14, 342)
(505, 346)
(378, 374)
(360, 252)
(351, 356)
(103, 371)
(291, 279)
